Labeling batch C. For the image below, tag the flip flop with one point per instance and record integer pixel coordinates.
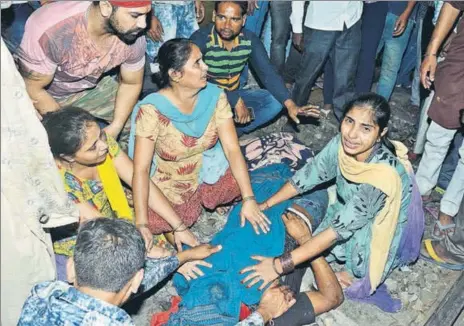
(428, 254)
(440, 231)
(434, 211)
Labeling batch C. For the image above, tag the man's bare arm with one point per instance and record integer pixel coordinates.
(329, 294)
(35, 86)
(130, 86)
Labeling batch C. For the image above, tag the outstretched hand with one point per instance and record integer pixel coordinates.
(252, 212)
(263, 271)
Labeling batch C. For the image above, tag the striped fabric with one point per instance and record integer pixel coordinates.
(225, 67)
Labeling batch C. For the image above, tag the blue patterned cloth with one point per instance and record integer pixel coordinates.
(221, 286)
(178, 19)
(58, 303)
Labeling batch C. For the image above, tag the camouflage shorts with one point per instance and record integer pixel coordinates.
(99, 101)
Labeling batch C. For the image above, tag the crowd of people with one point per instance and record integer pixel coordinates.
(122, 123)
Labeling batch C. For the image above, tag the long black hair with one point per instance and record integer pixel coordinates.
(173, 54)
(381, 112)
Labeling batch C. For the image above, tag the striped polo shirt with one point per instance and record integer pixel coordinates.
(225, 67)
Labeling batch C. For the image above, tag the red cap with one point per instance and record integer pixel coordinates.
(130, 4)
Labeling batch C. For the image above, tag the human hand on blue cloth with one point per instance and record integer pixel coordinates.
(191, 269)
(252, 212)
(264, 271)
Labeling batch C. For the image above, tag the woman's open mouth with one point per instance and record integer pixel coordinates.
(349, 144)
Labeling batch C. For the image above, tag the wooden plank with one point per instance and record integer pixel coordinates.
(450, 307)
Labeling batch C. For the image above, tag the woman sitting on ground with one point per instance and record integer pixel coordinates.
(376, 222)
(185, 136)
(92, 165)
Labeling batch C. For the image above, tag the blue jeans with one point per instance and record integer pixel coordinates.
(373, 22)
(328, 88)
(342, 47)
(254, 23)
(264, 105)
(280, 35)
(177, 21)
(394, 48)
(411, 62)
(13, 22)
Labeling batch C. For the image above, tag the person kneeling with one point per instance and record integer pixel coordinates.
(108, 266)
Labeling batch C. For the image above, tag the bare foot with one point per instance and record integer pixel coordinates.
(445, 219)
(345, 279)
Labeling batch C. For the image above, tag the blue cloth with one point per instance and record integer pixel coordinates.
(58, 303)
(398, 7)
(264, 105)
(373, 22)
(13, 22)
(177, 20)
(193, 125)
(214, 163)
(221, 285)
(394, 48)
(255, 24)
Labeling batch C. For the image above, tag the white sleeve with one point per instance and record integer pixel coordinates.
(296, 18)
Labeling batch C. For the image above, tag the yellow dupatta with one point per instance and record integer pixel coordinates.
(113, 188)
(385, 178)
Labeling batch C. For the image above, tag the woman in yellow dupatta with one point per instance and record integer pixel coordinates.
(376, 206)
(91, 165)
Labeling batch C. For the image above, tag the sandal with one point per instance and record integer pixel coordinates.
(440, 231)
(429, 254)
(434, 211)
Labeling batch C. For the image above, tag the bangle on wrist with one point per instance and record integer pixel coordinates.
(430, 55)
(181, 229)
(287, 263)
(248, 198)
(274, 267)
(141, 225)
(174, 229)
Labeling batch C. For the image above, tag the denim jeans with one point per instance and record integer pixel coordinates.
(328, 88)
(264, 105)
(254, 23)
(393, 51)
(281, 30)
(343, 49)
(408, 64)
(13, 22)
(436, 147)
(373, 22)
(177, 21)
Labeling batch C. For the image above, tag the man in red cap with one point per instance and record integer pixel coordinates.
(70, 53)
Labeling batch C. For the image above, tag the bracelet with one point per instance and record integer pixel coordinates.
(274, 267)
(429, 55)
(181, 229)
(141, 225)
(177, 227)
(287, 263)
(248, 198)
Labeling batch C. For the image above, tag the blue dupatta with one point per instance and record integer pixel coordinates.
(214, 163)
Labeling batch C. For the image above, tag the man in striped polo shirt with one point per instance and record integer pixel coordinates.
(227, 47)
